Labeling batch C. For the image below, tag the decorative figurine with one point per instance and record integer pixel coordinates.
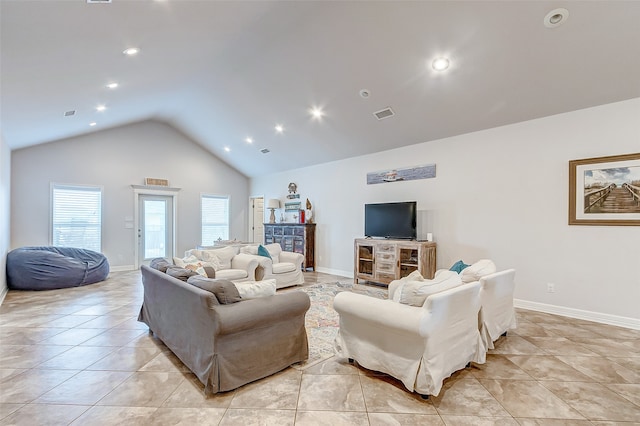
(309, 212)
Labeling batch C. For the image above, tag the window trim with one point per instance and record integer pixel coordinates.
(59, 185)
(212, 195)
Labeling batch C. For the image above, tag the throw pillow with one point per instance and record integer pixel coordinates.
(478, 270)
(160, 263)
(263, 251)
(256, 289)
(274, 250)
(224, 290)
(182, 274)
(220, 258)
(210, 271)
(458, 266)
(414, 293)
(181, 262)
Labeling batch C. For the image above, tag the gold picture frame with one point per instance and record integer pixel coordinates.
(605, 191)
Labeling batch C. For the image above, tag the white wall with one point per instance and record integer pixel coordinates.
(5, 190)
(502, 194)
(116, 159)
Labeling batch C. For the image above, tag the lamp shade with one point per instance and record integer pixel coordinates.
(273, 204)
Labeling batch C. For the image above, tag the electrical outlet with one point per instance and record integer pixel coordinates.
(551, 288)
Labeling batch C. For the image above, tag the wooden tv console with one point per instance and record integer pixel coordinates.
(383, 261)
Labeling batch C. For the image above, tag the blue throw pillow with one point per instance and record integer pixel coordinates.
(263, 251)
(458, 266)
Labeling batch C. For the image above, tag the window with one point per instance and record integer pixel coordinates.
(215, 218)
(76, 216)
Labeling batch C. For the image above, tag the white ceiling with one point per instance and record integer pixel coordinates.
(222, 71)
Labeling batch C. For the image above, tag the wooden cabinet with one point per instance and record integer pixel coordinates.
(383, 261)
(294, 237)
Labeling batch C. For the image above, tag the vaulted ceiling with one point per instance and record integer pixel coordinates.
(225, 71)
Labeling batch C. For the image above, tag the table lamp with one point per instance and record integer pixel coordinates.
(273, 204)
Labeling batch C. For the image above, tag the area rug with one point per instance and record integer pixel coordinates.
(322, 320)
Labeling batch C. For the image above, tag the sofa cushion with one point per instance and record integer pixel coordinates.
(220, 257)
(459, 266)
(182, 261)
(478, 270)
(224, 290)
(415, 292)
(231, 274)
(274, 251)
(250, 249)
(256, 289)
(282, 267)
(161, 264)
(181, 273)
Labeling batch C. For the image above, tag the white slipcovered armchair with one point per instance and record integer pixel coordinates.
(227, 262)
(497, 314)
(419, 345)
(283, 266)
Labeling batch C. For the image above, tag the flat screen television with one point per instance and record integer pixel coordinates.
(390, 220)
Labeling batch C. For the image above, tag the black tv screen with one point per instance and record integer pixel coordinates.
(390, 220)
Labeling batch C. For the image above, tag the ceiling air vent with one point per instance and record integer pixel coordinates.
(265, 151)
(98, 1)
(384, 113)
(70, 113)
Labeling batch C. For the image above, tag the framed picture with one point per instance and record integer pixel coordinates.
(292, 207)
(605, 190)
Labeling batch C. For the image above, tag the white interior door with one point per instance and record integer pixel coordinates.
(155, 227)
(256, 222)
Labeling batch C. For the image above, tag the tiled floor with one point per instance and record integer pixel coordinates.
(78, 356)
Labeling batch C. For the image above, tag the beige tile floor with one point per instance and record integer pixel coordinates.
(78, 356)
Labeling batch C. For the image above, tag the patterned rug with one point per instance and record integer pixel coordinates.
(322, 320)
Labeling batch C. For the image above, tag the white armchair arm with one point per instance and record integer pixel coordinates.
(245, 262)
(295, 258)
(375, 313)
(497, 314)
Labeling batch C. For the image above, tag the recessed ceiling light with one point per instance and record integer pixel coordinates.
(131, 51)
(112, 85)
(279, 128)
(440, 64)
(365, 93)
(248, 140)
(556, 17)
(93, 123)
(316, 113)
(226, 148)
(100, 108)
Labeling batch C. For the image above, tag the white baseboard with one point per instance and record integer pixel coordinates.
(348, 274)
(627, 322)
(122, 268)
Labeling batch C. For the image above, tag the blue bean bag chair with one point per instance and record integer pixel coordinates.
(48, 268)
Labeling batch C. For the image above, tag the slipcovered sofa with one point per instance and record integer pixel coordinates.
(425, 335)
(227, 262)
(50, 267)
(226, 343)
(283, 266)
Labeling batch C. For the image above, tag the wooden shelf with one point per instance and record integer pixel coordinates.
(383, 261)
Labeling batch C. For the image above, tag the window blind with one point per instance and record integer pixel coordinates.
(76, 217)
(215, 218)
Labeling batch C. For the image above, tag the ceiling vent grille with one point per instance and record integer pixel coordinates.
(98, 1)
(69, 113)
(384, 113)
(265, 151)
